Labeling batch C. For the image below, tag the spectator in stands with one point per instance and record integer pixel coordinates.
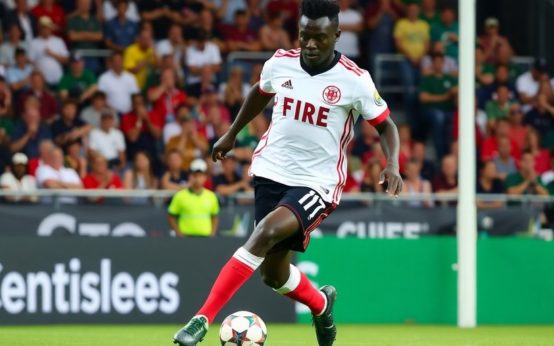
(528, 84)
(239, 37)
(449, 66)
(446, 31)
(541, 155)
(47, 102)
(499, 106)
(142, 129)
(121, 30)
(289, 10)
(414, 184)
(518, 131)
(272, 34)
(74, 158)
(504, 58)
(108, 141)
(8, 47)
(226, 10)
(69, 128)
(140, 57)
(501, 77)
(489, 147)
(77, 83)
(161, 13)
(193, 211)
(249, 137)
(18, 75)
(173, 45)
(484, 72)
(22, 17)
(437, 96)
(447, 180)
(110, 10)
(207, 23)
(118, 85)
(49, 9)
(165, 98)
(91, 114)
(101, 177)
(18, 179)
(189, 143)
(174, 128)
(175, 178)
(380, 17)
(84, 31)
(428, 12)
(140, 177)
(526, 181)
(234, 91)
(230, 181)
(503, 160)
(489, 183)
(492, 41)
(6, 101)
(48, 52)
(53, 175)
(44, 148)
(30, 131)
(363, 143)
(203, 62)
(351, 24)
(427, 166)
(255, 15)
(165, 62)
(541, 116)
(371, 179)
(411, 35)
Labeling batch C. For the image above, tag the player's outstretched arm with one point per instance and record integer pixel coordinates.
(253, 105)
(390, 143)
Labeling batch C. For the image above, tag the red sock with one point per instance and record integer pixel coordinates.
(299, 288)
(232, 276)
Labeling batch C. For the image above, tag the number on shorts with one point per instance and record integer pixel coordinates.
(312, 200)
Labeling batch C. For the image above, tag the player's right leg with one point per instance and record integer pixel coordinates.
(280, 224)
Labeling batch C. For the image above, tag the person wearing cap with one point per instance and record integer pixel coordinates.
(17, 179)
(48, 52)
(52, 10)
(108, 141)
(78, 82)
(528, 84)
(193, 211)
(189, 143)
(491, 40)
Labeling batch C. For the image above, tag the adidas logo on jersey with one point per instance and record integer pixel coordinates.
(287, 84)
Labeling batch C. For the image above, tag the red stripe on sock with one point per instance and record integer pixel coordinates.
(308, 295)
(232, 276)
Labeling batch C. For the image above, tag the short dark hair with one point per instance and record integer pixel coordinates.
(315, 9)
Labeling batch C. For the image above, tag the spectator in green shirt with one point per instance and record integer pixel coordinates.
(84, 31)
(194, 211)
(446, 31)
(437, 94)
(499, 107)
(526, 181)
(77, 83)
(429, 12)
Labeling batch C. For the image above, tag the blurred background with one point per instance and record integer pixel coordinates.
(110, 107)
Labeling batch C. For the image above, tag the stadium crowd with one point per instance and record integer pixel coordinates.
(136, 120)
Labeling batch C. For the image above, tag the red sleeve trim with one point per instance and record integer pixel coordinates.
(380, 118)
(265, 93)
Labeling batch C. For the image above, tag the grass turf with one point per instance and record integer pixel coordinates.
(282, 335)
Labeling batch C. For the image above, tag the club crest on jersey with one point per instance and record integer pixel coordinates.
(331, 94)
(377, 98)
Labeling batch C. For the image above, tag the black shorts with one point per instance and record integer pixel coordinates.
(308, 206)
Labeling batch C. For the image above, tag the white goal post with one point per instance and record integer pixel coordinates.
(467, 213)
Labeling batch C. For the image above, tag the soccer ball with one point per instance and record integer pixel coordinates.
(243, 328)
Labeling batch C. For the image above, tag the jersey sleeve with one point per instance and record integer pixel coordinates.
(174, 208)
(367, 101)
(265, 86)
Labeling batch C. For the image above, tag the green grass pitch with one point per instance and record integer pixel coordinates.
(282, 335)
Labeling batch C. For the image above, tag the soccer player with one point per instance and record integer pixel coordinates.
(299, 166)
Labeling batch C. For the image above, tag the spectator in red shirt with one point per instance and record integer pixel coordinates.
(48, 104)
(518, 131)
(49, 8)
(101, 177)
(541, 155)
(489, 149)
(142, 129)
(166, 97)
(239, 36)
(289, 11)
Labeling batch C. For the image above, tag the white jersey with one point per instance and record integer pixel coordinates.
(313, 121)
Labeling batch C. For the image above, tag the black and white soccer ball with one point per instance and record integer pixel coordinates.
(243, 328)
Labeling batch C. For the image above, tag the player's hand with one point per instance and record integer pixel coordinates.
(223, 146)
(394, 181)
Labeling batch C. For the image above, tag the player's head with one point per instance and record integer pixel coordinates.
(318, 30)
